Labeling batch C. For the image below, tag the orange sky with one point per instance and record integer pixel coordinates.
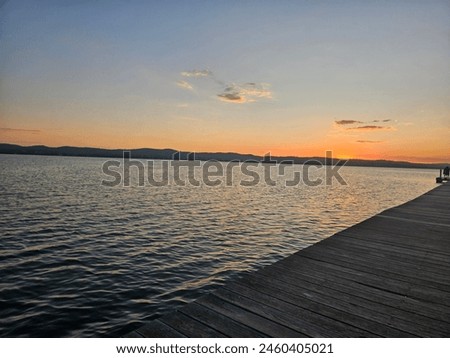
(367, 80)
(413, 145)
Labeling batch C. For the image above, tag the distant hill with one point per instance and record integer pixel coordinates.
(149, 153)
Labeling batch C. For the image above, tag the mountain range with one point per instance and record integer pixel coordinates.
(150, 153)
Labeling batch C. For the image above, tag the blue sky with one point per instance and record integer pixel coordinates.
(248, 76)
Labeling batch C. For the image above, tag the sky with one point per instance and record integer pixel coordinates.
(365, 79)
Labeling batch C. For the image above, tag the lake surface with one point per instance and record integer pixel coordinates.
(80, 259)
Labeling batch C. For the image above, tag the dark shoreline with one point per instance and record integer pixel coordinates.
(168, 154)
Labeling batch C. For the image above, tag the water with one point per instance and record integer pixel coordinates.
(81, 259)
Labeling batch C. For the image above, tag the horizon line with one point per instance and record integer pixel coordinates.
(228, 152)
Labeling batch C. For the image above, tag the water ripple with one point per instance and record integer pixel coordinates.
(78, 259)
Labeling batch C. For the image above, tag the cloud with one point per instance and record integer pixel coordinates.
(233, 93)
(344, 122)
(246, 92)
(20, 130)
(369, 128)
(185, 85)
(369, 141)
(196, 73)
(231, 97)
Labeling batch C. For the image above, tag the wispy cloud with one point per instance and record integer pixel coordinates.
(369, 141)
(246, 92)
(231, 97)
(382, 120)
(369, 128)
(20, 130)
(185, 85)
(345, 122)
(196, 73)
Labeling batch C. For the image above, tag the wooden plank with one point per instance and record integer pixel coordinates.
(372, 259)
(219, 322)
(190, 327)
(133, 334)
(374, 323)
(342, 324)
(432, 259)
(383, 297)
(425, 210)
(393, 271)
(390, 230)
(386, 224)
(287, 315)
(428, 294)
(386, 250)
(316, 322)
(416, 218)
(420, 214)
(255, 321)
(426, 202)
(158, 329)
(401, 241)
(296, 285)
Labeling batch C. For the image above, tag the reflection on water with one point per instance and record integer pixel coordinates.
(81, 259)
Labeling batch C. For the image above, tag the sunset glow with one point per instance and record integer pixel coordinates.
(366, 80)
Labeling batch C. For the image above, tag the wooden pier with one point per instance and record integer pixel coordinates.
(388, 276)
